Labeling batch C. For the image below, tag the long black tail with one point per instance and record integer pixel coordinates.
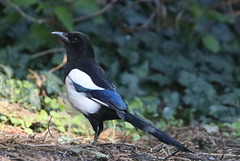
(162, 136)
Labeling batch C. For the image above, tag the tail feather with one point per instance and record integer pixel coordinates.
(160, 135)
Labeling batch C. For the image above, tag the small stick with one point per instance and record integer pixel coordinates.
(49, 128)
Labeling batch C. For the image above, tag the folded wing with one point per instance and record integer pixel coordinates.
(83, 83)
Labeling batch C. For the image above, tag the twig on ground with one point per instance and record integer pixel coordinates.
(114, 128)
(49, 122)
(174, 153)
(81, 157)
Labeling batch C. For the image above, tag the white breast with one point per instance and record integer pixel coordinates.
(79, 100)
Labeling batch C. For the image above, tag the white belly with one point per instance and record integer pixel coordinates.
(79, 100)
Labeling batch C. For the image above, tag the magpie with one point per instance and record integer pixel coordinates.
(90, 90)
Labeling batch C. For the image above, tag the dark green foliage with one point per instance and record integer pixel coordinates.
(179, 60)
(53, 83)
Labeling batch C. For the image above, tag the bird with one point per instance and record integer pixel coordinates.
(90, 90)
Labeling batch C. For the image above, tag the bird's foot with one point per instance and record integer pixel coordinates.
(94, 143)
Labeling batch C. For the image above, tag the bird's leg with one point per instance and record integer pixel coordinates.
(98, 131)
(96, 136)
(97, 127)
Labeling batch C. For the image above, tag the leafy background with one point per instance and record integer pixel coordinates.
(175, 62)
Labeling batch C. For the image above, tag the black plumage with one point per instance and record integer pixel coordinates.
(90, 90)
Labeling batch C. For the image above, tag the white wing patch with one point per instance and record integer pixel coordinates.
(79, 100)
(83, 79)
(98, 101)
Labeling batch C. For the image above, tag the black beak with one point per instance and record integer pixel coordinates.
(61, 35)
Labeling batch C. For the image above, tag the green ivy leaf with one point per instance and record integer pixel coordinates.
(134, 18)
(61, 107)
(54, 104)
(57, 58)
(172, 99)
(136, 137)
(40, 34)
(86, 6)
(43, 115)
(168, 112)
(196, 10)
(65, 16)
(3, 118)
(77, 119)
(211, 43)
(187, 78)
(218, 16)
(28, 124)
(136, 104)
(65, 138)
(28, 130)
(47, 100)
(34, 100)
(129, 126)
(160, 79)
(141, 70)
(54, 114)
(53, 83)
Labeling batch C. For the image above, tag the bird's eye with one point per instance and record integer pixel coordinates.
(75, 39)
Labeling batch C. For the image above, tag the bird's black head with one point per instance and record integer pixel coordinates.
(76, 44)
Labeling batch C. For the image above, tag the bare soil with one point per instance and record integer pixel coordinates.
(15, 144)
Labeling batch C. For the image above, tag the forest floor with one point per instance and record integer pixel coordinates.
(15, 144)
